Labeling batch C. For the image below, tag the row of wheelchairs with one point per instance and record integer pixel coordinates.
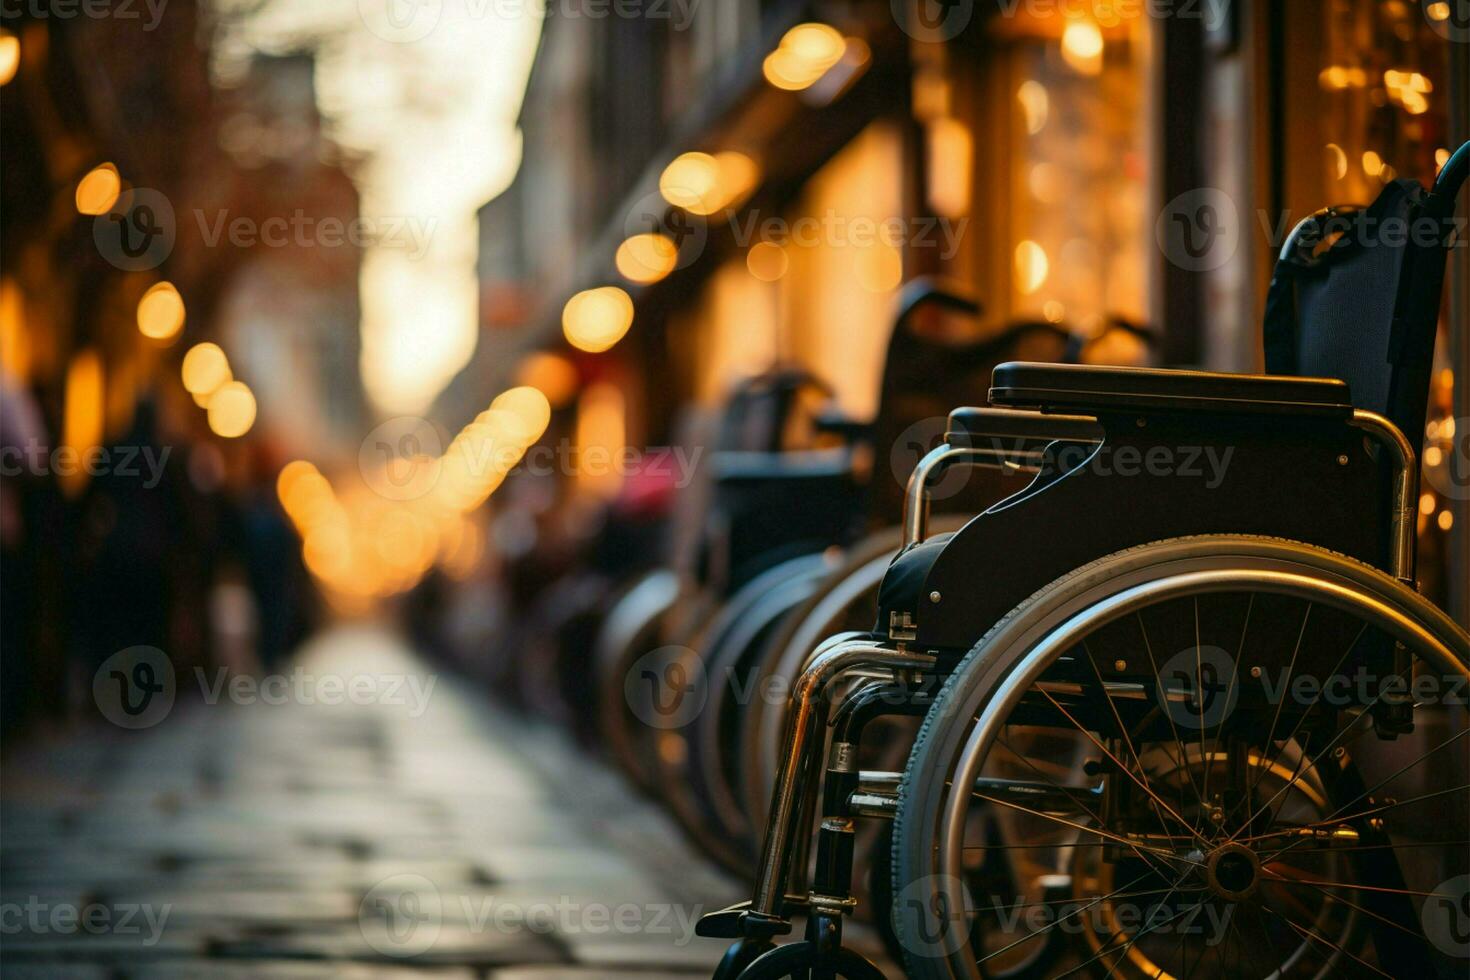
(1126, 676)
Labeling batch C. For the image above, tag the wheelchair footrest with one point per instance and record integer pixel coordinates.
(739, 921)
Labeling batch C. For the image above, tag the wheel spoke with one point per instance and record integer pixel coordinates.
(1280, 703)
(1126, 771)
(1168, 715)
(1312, 935)
(1123, 732)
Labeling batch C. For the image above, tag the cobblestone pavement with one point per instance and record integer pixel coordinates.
(262, 836)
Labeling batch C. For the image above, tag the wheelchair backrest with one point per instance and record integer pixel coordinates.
(1355, 295)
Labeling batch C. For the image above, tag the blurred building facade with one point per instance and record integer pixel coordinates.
(1040, 154)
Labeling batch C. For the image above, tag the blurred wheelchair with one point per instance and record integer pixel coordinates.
(1189, 715)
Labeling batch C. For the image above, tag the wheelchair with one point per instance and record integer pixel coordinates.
(760, 494)
(1181, 717)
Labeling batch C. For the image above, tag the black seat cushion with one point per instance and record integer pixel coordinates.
(1100, 390)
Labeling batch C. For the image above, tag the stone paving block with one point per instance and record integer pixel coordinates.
(595, 973)
(265, 829)
(448, 945)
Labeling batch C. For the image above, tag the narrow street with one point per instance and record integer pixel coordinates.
(413, 829)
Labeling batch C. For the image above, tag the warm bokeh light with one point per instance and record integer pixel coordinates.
(97, 192)
(554, 375)
(205, 369)
(879, 268)
(601, 437)
(529, 406)
(647, 258)
(1032, 267)
(1082, 47)
(689, 179)
(83, 415)
(15, 341)
(423, 174)
(767, 261)
(950, 167)
(805, 54)
(232, 410)
(596, 319)
(161, 312)
(1035, 104)
(703, 184)
(9, 56)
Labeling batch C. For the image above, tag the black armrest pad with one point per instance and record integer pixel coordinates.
(967, 426)
(1083, 387)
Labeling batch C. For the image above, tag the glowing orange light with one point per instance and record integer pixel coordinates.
(232, 410)
(205, 368)
(805, 54)
(554, 375)
(647, 258)
(596, 319)
(767, 261)
(1031, 267)
(1082, 47)
(97, 192)
(82, 419)
(528, 405)
(9, 56)
(161, 312)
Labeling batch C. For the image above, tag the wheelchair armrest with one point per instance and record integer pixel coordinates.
(1121, 390)
(968, 428)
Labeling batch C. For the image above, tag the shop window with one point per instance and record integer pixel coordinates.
(1060, 223)
(1367, 102)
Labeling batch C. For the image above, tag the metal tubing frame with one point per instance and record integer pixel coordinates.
(799, 778)
(1405, 474)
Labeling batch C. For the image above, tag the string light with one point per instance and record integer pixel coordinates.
(97, 192)
(161, 312)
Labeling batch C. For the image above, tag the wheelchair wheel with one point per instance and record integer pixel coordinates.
(1215, 756)
(713, 656)
(846, 600)
(631, 629)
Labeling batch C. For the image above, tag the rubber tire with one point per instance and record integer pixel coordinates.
(921, 791)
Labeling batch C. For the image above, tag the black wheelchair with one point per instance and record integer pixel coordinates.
(1185, 712)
